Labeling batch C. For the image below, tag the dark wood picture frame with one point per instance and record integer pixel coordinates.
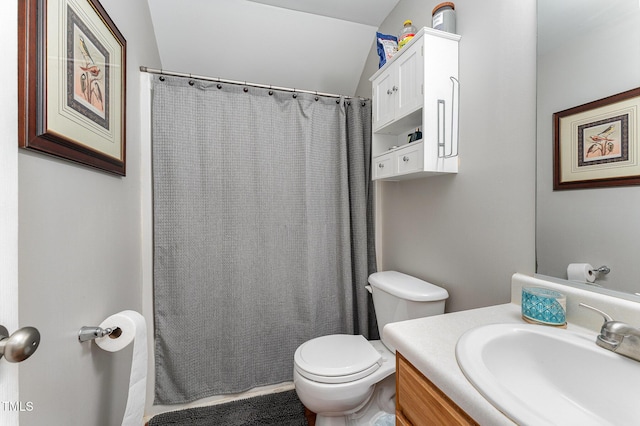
(72, 83)
(597, 144)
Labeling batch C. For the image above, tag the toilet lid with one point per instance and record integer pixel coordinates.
(337, 358)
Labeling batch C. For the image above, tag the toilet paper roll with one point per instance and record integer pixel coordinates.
(581, 272)
(129, 327)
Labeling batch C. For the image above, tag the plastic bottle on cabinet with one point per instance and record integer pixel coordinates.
(407, 33)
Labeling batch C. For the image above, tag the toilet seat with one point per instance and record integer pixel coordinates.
(337, 358)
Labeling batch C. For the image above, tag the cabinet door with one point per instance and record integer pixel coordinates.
(410, 78)
(384, 94)
(419, 402)
(409, 159)
(383, 166)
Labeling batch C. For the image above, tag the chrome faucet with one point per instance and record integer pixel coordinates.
(617, 336)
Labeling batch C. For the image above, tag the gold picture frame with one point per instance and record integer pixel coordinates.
(72, 83)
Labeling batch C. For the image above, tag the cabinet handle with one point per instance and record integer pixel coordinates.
(381, 165)
(405, 159)
(395, 88)
(442, 132)
(389, 92)
(454, 136)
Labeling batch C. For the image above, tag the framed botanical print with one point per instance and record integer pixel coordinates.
(597, 144)
(72, 83)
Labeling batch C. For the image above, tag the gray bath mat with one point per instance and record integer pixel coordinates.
(281, 409)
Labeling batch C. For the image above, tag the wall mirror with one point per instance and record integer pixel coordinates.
(587, 50)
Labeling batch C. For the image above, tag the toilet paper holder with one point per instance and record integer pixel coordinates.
(89, 333)
(602, 270)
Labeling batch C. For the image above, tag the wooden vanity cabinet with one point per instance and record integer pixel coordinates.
(419, 402)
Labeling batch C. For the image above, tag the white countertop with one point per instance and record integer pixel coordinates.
(429, 344)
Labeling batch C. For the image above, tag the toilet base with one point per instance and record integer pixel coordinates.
(382, 402)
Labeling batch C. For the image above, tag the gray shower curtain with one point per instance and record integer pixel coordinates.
(263, 231)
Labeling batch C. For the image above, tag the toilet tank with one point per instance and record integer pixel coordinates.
(399, 297)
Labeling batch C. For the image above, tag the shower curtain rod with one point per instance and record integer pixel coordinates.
(243, 83)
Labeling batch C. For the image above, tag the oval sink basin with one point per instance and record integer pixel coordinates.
(538, 375)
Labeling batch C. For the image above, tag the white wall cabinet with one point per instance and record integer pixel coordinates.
(398, 90)
(417, 88)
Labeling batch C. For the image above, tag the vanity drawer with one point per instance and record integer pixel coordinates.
(409, 159)
(419, 402)
(383, 166)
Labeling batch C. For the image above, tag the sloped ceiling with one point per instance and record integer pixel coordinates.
(368, 12)
(317, 45)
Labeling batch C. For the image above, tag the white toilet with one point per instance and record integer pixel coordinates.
(347, 380)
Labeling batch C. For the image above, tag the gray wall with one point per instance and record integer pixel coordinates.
(597, 226)
(80, 260)
(80, 230)
(471, 231)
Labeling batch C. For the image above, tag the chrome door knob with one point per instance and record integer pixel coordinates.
(20, 345)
